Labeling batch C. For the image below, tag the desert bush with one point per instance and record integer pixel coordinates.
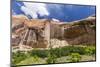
(74, 57)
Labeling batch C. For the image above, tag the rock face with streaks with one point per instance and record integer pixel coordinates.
(81, 32)
(43, 33)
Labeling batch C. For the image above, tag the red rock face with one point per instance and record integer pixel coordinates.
(38, 33)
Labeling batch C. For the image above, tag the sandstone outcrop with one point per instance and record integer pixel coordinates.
(43, 33)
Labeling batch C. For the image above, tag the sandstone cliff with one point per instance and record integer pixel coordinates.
(43, 33)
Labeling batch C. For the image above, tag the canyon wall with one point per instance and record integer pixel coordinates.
(43, 33)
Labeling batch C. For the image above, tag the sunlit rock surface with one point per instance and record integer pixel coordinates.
(44, 33)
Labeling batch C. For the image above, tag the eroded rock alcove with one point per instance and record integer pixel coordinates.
(43, 33)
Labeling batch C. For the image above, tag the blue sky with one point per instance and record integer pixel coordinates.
(58, 12)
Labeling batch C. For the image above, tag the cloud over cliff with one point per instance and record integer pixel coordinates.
(61, 12)
(34, 9)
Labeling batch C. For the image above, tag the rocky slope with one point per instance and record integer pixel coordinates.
(43, 33)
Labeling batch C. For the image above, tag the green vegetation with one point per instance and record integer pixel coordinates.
(18, 56)
(75, 57)
(90, 50)
(51, 58)
(39, 53)
(36, 58)
(32, 60)
(53, 55)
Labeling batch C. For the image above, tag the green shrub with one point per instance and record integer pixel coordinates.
(53, 53)
(67, 50)
(36, 58)
(18, 56)
(73, 49)
(39, 53)
(51, 58)
(90, 50)
(63, 51)
(75, 57)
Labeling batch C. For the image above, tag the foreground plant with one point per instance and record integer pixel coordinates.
(51, 59)
(90, 51)
(36, 58)
(18, 57)
(74, 57)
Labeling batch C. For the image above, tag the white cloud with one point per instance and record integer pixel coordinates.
(33, 9)
(13, 12)
(55, 19)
